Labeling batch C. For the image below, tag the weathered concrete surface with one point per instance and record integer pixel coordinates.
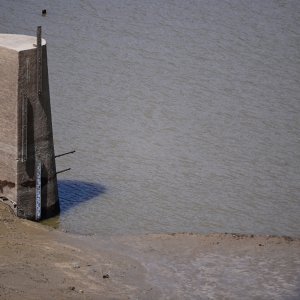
(20, 148)
(18, 42)
(9, 68)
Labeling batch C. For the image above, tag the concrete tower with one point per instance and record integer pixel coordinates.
(27, 161)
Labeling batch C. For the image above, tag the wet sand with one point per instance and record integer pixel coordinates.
(38, 262)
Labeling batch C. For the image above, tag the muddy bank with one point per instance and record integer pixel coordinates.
(40, 263)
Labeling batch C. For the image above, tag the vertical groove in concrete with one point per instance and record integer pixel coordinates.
(38, 133)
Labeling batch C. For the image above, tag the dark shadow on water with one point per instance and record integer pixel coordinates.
(73, 192)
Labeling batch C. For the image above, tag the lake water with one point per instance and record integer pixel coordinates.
(185, 115)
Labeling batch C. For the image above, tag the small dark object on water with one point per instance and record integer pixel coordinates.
(105, 276)
(260, 245)
(44, 12)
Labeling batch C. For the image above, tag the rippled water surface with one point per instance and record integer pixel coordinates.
(185, 115)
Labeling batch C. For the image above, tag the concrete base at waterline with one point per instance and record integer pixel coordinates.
(25, 128)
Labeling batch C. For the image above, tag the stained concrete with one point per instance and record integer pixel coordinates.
(20, 148)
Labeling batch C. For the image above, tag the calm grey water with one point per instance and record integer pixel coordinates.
(185, 115)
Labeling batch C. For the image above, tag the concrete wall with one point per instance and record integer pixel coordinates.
(26, 118)
(9, 68)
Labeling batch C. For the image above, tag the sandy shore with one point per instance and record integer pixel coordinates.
(40, 263)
